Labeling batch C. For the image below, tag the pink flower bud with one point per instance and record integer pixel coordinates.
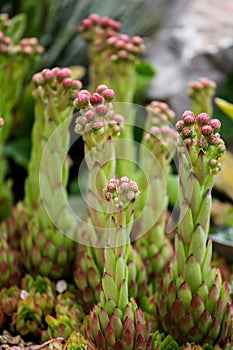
(116, 129)
(95, 18)
(96, 99)
(214, 139)
(213, 162)
(186, 131)
(112, 40)
(137, 40)
(118, 118)
(203, 143)
(64, 73)
(86, 23)
(188, 141)
(101, 110)
(123, 37)
(216, 124)
(122, 54)
(77, 84)
(189, 118)
(105, 22)
(81, 101)
(119, 44)
(1, 122)
(131, 195)
(90, 114)
(179, 125)
(38, 79)
(67, 82)
(98, 124)
(28, 50)
(101, 88)
(108, 95)
(115, 25)
(48, 74)
(203, 119)
(206, 130)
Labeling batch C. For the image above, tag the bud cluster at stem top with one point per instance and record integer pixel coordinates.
(201, 133)
(121, 191)
(203, 84)
(104, 36)
(159, 113)
(56, 82)
(160, 136)
(97, 114)
(27, 47)
(96, 27)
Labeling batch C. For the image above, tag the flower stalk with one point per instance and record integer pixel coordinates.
(158, 145)
(116, 321)
(193, 302)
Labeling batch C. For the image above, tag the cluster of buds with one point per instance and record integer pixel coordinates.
(200, 93)
(203, 84)
(41, 289)
(165, 143)
(103, 33)
(55, 79)
(94, 27)
(159, 127)
(9, 299)
(121, 191)
(201, 133)
(125, 48)
(97, 115)
(27, 46)
(159, 113)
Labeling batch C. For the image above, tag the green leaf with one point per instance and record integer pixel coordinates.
(16, 29)
(19, 151)
(225, 106)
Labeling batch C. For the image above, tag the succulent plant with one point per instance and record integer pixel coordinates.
(100, 159)
(158, 145)
(113, 58)
(28, 318)
(15, 225)
(112, 55)
(88, 271)
(10, 263)
(77, 342)
(42, 290)
(9, 299)
(47, 252)
(116, 322)
(54, 93)
(193, 302)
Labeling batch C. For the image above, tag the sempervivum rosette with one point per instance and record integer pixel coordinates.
(193, 302)
(10, 263)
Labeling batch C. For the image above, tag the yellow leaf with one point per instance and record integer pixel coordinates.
(225, 106)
